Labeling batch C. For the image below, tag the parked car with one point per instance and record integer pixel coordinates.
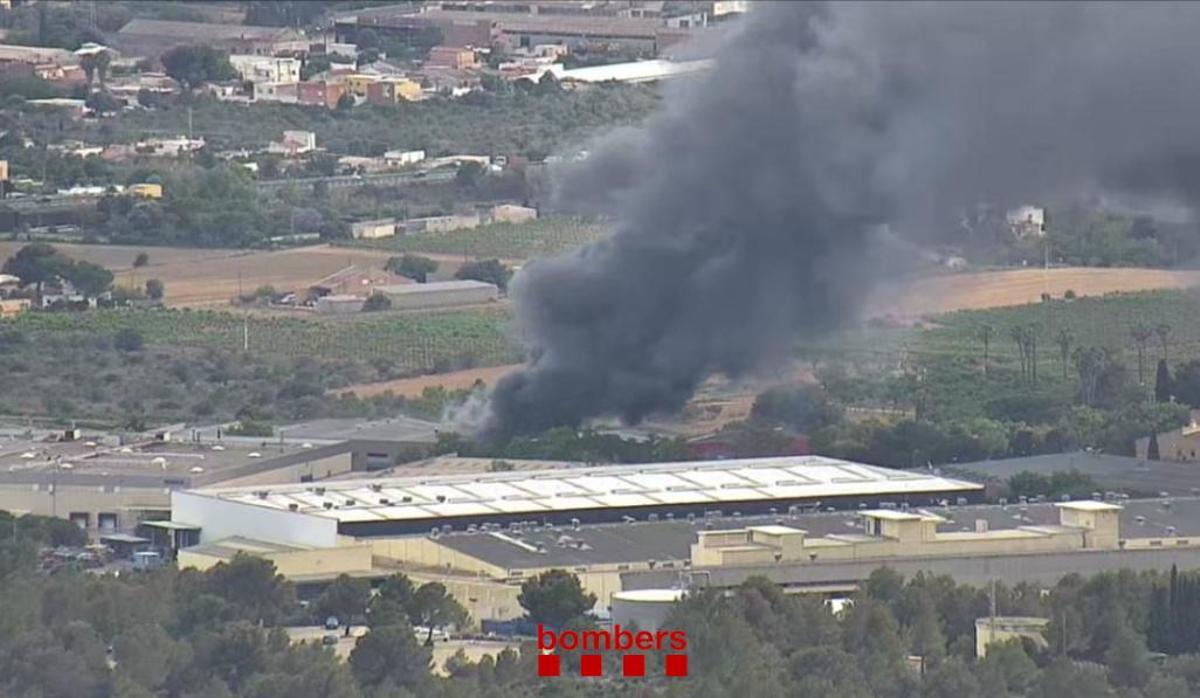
(331, 623)
(329, 640)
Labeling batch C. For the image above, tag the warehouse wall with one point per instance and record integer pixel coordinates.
(219, 519)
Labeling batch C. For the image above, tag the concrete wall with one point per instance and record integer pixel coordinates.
(332, 561)
(218, 518)
(122, 502)
(1046, 568)
(316, 469)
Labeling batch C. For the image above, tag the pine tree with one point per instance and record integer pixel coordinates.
(1162, 382)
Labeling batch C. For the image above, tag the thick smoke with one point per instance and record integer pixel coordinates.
(758, 205)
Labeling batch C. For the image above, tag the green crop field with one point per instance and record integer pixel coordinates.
(410, 342)
(1104, 321)
(540, 238)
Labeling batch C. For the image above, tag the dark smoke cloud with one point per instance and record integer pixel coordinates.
(749, 211)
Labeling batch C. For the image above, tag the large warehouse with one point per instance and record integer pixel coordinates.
(316, 514)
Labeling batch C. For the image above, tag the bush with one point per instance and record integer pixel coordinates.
(128, 339)
(377, 302)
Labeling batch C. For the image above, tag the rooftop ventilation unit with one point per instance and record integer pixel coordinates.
(292, 506)
(375, 487)
(262, 494)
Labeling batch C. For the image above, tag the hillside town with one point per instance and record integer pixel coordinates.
(465, 348)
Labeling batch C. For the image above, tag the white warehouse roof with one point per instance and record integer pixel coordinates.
(551, 491)
(433, 287)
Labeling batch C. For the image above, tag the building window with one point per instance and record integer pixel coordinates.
(81, 519)
(106, 521)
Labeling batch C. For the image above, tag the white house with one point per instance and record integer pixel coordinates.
(266, 68)
(294, 143)
(400, 158)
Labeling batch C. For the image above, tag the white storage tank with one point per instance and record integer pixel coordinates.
(646, 608)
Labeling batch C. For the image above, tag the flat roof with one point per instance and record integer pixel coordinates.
(668, 541)
(708, 483)
(405, 429)
(1135, 476)
(433, 287)
(148, 463)
(1088, 505)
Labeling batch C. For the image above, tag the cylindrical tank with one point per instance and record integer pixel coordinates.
(645, 608)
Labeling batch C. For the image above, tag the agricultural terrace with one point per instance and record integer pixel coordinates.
(416, 343)
(510, 241)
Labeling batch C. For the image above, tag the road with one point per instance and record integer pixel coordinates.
(347, 181)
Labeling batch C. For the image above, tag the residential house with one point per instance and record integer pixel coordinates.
(11, 307)
(451, 57)
(322, 94)
(373, 229)
(266, 68)
(169, 147)
(285, 92)
(1181, 445)
(387, 91)
(359, 83)
(294, 143)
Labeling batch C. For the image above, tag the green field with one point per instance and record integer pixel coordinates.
(1104, 321)
(417, 343)
(541, 238)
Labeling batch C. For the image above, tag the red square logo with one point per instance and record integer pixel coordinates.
(548, 665)
(633, 665)
(677, 665)
(589, 665)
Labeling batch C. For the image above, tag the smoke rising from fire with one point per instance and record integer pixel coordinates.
(764, 200)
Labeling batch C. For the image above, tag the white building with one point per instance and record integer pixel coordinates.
(294, 143)
(1027, 221)
(400, 158)
(373, 229)
(440, 294)
(266, 68)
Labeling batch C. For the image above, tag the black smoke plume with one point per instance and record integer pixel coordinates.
(763, 201)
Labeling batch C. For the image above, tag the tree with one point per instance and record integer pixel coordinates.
(155, 290)
(252, 586)
(800, 408)
(985, 335)
(377, 302)
(345, 599)
(192, 66)
(1162, 382)
(412, 266)
(554, 598)
(91, 280)
(1163, 331)
(391, 654)
(491, 271)
(36, 264)
(1141, 335)
(1064, 339)
(469, 175)
(141, 260)
(433, 608)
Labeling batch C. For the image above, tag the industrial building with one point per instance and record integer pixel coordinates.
(812, 524)
(439, 294)
(112, 483)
